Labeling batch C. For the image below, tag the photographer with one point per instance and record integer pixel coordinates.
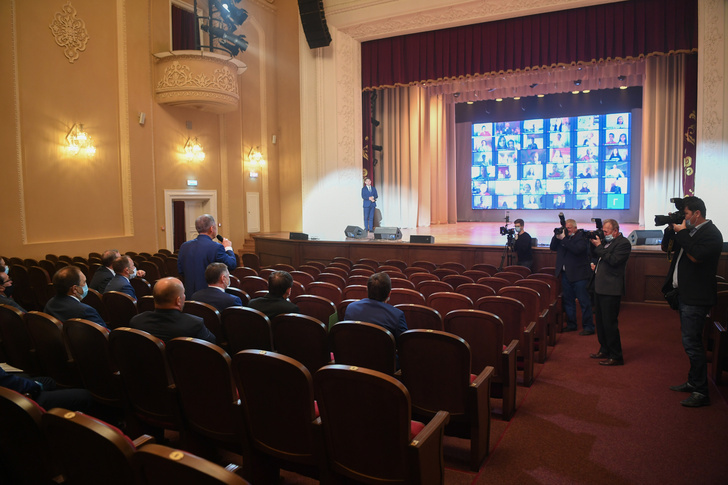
(609, 286)
(522, 246)
(572, 263)
(691, 288)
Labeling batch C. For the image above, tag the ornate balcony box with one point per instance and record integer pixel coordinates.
(197, 79)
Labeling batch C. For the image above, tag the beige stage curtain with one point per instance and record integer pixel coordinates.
(416, 169)
(662, 130)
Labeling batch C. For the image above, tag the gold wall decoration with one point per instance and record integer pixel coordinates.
(69, 32)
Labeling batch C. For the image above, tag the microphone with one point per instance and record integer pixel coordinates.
(219, 238)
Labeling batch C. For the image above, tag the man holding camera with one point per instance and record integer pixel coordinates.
(572, 263)
(609, 286)
(522, 246)
(691, 288)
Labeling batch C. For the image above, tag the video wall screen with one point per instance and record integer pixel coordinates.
(580, 162)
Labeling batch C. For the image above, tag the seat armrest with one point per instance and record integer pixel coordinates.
(512, 347)
(424, 451)
(144, 439)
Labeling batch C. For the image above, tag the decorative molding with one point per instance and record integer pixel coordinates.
(18, 135)
(348, 89)
(267, 5)
(713, 74)
(122, 60)
(69, 32)
(178, 75)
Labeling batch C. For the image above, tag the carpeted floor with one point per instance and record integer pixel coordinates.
(583, 423)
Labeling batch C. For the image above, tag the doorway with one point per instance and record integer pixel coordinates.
(181, 208)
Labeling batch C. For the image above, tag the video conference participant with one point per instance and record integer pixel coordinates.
(609, 286)
(522, 246)
(369, 197)
(697, 243)
(572, 265)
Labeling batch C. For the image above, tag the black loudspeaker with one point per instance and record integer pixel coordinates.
(301, 236)
(355, 232)
(314, 23)
(391, 233)
(645, 237)
(415, 238)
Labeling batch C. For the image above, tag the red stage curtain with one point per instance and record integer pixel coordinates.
(630, 29)
(183, 29)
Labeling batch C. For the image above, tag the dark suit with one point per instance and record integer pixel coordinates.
(273, 305)
(698, 290)
(66, 307)
(4, 300)
(369, 206)
(378, 313)
(101, 279)
(169, 324)
(572, 264)
(194, 257)
(217, 298)
(609, 286)
(522, 247)
(120, 283)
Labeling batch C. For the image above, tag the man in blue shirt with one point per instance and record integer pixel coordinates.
(375, 308)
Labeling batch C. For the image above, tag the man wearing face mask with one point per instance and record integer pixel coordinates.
(125, 270)
(697, 245)
(609, 286)
(218, 280)
(6, 291)
(70, 285)
(522, 246)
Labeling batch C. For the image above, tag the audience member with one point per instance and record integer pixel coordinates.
(103, 275)
(167, 320)
(522, 245)
(43, 391)
(6, 291)
(125, 270)
(70, 285)
(375, 309)
(218, 280)
(276, 301)
(195, 255)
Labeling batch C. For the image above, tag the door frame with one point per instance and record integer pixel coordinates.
(209, 197)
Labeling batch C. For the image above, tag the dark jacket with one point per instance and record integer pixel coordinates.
(572, 252)
(169, 324)
(215, 297)
(194, 257)
(273, 305)
(66, 307)
(120, 283)
(611, 263)
(101, 279)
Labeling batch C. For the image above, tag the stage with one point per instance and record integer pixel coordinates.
(467, 243)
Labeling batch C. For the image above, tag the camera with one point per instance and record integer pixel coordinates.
(562, 220)
(599, 232)
(505, 231)
(673, 217)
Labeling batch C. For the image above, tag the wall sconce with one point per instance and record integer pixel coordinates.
(193, 150)
(255, 162)
(78, 141)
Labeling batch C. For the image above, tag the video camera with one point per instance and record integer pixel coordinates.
(562, 220)
(505, 231)
(673, 217)
(599, 232)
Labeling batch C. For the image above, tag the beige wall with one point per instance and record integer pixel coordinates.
(55, 203)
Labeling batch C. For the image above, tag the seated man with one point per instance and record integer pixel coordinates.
(70, 285)
(6, 290)
(217, 277)
(167, 320)
(276, 301)
(103, 275)
(43, 391)
(375, 308)
(125, 270)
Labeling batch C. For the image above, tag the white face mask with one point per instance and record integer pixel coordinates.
(689, 222)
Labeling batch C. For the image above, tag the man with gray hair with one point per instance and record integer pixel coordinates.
(195, 255)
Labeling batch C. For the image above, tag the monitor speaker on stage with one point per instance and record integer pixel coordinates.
(422, 239)
(644, 237)
(301, 236)
(355, 232)
(390, 233)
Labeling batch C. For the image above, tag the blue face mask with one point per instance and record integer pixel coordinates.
(519, 229)
(689, 223)
(7, 269)
(609, 238)
(85, 292)
(133, 275)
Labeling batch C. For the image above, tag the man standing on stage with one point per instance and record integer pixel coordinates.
(369, 196)
(522, 246)
(691, 282)
(572, 264)
(609, 286)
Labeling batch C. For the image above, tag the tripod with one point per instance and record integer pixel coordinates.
(507, 254)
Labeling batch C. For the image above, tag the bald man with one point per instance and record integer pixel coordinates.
(167, 320)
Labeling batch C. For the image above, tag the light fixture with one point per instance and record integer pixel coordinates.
(575, 92)
(577, 82)
(255, 162)
(517, 98)
(621, 78)
(498, 100)
(193, 150)
(79, 141)
(539, 95)
(586, 91)
(623, 87)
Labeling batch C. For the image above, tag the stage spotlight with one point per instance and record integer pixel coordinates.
(375, 122)
(575, 92)
(621, 78)
(377, 148)
(540, 95)
(498, 100)
(577, 82)
(517, 98)
(533, 85)
(623, 87)
(586, 91)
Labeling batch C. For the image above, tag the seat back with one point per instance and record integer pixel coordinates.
(553, 281)
(343, 260)
(170, 266)
(22, 289)
(404, 295)
(16, 341)
(456, 280)
(209, 315)
(511, 312)
(88, 450)
(488, 268)
(333, 270)
(530, 298)
(155, 464)
(494, 282)
(304, 278)
(46, 333)
(543, 289)
(429, 287)
(476, 274)
(244, 297)
(251, 260)
(24, 451)
(246, 328)
(459, 267)
(367, 272)
(428, 265)
(141, 286)
(89, 345)
(442, 272)
(417, 278)
(369, 262)
(475, 291)
(278, 402)
(355, 292)
(389, 267)
(397, 263)
(330, 291)
(145, 304)
(365, 345)
(402, 283)
(310, 269)
(446, 301)
(508, 276)
(521, 270)
(483, 332)
(153, 273)
(359, 280)
(421, 317)
(142, 362)
(315, 306)
(209, 399)
(342, 306)
(94, 299)
(297, 289)
(374, 407)
(303, 338)
(283, 267)
(40, 282)
(119, 307)
(251, 284)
